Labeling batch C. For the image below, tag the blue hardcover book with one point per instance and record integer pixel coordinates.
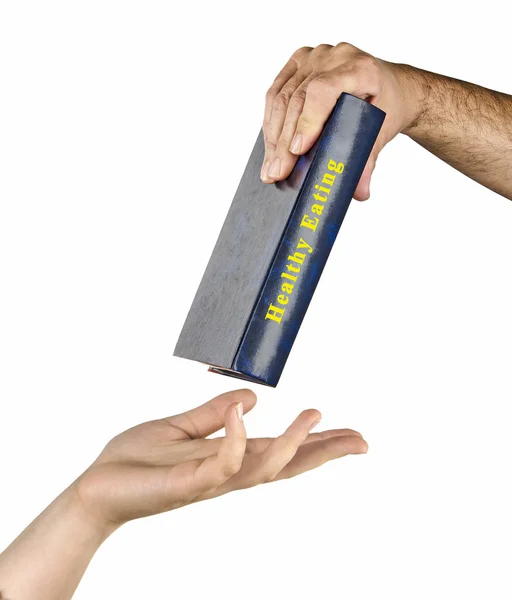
(272, 249)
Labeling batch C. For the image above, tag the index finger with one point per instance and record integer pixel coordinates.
(286, 73)
(209, 417)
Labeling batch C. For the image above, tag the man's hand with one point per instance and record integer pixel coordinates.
(304, 93)
(168, 463)
(467, 126)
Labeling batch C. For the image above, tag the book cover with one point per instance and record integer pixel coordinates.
(272, 249)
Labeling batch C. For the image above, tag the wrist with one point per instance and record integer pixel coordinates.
(414, 94)
(92, 524)
(49, 557)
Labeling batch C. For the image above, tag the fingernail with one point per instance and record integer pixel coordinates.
(240, 411)
(315, 423)
(264, 170)
(296, 145)
(275, 169)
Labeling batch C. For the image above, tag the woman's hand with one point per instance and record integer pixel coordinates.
(165, 464)
(304, 93)
(152, 468)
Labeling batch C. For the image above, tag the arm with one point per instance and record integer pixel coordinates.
(156, 467)
(48, 560)
(467, 126)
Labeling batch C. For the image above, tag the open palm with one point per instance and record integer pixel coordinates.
(168, 463)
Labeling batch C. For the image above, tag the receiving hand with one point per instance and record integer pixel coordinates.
(168, 463)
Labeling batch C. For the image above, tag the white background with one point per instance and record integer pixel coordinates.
(124, 129)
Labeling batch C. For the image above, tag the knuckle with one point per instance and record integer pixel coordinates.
(305, 122)
(298, 97)
(271, 146)
(229, 468)
(264, 476)
(268, 476)
(345, 47)
(365, 63)
(295, 107)
(270, 95)
(301, 53)
(281, 101)
(283, 144)
(323, 47)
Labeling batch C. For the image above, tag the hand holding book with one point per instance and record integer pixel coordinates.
(304, 94)
(272, 250)
(466, 125)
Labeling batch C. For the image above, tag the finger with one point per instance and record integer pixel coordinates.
(311, 456)
(276, 99)
(209, 417)
(361, 79)
(216, 470)
(201, 449)
(281, 451)
(330, 433)
(283, 160)
(274, 129)
(362, 191)
(323, 446)
(259, 445)
(286, 73)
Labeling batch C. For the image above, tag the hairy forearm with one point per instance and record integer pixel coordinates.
(467, 126)
(48, 560)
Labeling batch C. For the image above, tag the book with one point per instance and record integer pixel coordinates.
(272, 249)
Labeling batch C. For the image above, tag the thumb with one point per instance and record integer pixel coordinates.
(363, 187)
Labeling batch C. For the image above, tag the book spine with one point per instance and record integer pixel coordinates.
(341, 155)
